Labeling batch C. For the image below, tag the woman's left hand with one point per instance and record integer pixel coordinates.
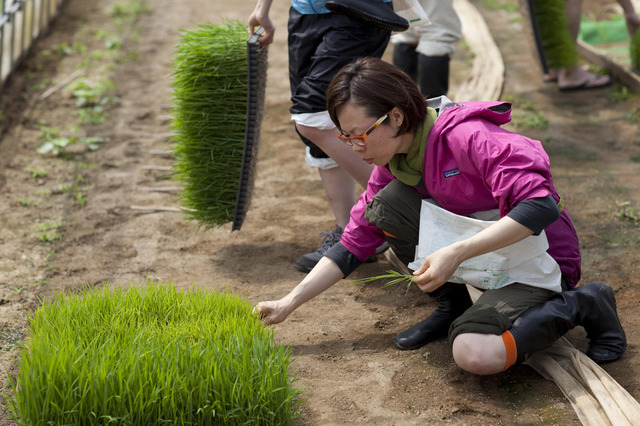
(437, 268)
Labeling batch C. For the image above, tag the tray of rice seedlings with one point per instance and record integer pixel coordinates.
(151, 355)
(634, 52)
(218, 99)
(547, 29)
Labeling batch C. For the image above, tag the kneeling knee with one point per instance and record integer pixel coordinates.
(480, 354)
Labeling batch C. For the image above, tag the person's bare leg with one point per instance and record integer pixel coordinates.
(349, 161)
(339, 185)
(574, 12)
(340, 188)
(578, 76)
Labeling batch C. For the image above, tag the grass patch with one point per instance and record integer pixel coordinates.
(152, 356)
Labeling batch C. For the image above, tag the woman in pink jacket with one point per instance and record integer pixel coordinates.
(459, 157)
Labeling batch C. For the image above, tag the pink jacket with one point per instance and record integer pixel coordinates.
(471, 165)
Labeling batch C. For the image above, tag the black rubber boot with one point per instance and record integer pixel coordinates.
(593, 306)
(453, 300)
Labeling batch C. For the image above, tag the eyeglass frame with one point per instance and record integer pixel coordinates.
(350, 140)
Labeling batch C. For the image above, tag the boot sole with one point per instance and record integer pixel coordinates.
(413, 348)
(606, 361)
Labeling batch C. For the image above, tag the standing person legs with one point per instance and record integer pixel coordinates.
(424, 52)
(319, 45)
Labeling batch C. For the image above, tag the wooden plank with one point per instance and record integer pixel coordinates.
(621, 73)
(487, 74)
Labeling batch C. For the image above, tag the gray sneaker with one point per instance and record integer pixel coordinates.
(306, 262)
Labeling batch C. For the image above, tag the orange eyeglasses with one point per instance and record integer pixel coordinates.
(361, 140)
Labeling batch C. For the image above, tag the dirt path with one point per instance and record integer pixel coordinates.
(344, 339)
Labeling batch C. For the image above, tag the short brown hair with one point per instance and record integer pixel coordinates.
(378, 87)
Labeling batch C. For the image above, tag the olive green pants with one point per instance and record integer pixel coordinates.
(396, 211)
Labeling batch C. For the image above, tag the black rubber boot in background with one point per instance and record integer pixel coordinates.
(453, 299)
(592, 306)
(431, 73)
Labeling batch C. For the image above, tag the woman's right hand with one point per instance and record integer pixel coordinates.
(272, 312)
(325, 274)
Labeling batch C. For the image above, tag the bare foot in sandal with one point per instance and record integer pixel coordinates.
(577, 78)
(552, 75)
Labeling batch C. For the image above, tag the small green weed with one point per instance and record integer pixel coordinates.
(621, 94)
(628, 213)
(41, 282)
(92, 99)
(54, 144)
(58, 146)
(95, 114)
(506, 6)
(50, 254)
(129, 11)
(76, 190)
(27, 202)
(36, 173)
(48, 232)
(531, 118)
(40, 85)
(87, 94)
(149, 356)
(633, 116)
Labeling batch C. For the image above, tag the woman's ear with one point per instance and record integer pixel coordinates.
(396, 117)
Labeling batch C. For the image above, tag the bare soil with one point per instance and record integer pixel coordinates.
(343, 340)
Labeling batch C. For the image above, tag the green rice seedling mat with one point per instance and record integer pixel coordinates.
(218, 101)
(152, 355)
(611, 39)
(547, 30)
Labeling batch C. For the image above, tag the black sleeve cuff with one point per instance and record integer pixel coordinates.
(345, 260)
(536, 214)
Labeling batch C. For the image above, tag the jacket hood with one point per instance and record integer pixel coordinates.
(498, 113)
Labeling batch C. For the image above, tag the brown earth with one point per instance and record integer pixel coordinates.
(343, 340)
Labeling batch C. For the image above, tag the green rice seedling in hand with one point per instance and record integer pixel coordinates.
(396, 278)
(210, 91)
(149, 356)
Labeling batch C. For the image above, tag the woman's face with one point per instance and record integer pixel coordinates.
(381, 144)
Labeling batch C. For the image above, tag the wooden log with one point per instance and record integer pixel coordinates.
(487, 74)
(624, 74)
